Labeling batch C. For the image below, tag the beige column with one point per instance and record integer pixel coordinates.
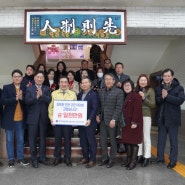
(3, 153)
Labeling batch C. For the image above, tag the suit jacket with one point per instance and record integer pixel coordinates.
(37, 108)
(8, 99)
(111, 107)
(122, 78)
(92, 105)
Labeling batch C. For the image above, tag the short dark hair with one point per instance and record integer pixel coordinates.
(39, 72)
(84, 61)
(84, 70)
(109, 74)
(119, 63)
(130, 82)
(85, 77)
(17, 71)
(98, 68)
(30, 66)
(72, 72)
(63, 76)
(168, 70)
(51, 69)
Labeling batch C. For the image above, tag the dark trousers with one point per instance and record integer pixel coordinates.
(33, 134)
(88, 142)
(162, 136)
(106, 131)
(65, 132)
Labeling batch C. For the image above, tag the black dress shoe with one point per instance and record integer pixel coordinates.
(44, 162)
(35, 164)
(145, 162)
(83, 161)
(156, 161)
(1, 164)
(68, 162)
(140, 159)
(171, 165)
(110, 164)
(103, 162)
(90, 164)
(56, 162)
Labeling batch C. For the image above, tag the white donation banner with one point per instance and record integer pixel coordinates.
(70, 112)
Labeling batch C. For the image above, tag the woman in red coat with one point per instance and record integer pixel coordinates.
(132, 132)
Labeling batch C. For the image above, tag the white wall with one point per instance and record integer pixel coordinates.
(14, 54)
(141, 54)
(155, 17)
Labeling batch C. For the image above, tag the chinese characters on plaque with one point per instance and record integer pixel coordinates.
(77, 26)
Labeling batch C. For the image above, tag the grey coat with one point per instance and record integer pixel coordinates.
(110, 108)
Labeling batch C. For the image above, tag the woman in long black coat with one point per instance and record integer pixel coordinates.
(132, 132)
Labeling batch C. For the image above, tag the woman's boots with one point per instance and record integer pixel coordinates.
(127, 162)
(133, 162)
(145, 162)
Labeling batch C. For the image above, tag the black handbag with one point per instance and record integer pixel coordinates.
(121, 148)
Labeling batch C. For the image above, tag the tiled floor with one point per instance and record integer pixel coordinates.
(79, 175)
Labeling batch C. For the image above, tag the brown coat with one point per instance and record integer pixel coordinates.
(132, 111)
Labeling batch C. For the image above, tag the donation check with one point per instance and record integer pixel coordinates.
(70, 112)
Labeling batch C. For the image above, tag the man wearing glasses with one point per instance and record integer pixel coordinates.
(13, 118)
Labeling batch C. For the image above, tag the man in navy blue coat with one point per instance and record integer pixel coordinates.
(37, 99)
(169, 98)
(87, 132)
(14, 117)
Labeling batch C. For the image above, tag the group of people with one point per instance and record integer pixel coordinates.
(113, 104)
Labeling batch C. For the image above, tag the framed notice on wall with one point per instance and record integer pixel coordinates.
(75, 26)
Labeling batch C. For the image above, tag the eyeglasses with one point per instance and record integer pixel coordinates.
(17, 76)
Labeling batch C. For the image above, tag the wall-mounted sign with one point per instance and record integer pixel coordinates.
(75, 26)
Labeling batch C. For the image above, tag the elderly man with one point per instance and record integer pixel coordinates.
(87, 132)
(37, 99)
(111, 103)
(63, 93)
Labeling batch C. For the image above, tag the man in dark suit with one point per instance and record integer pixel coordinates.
(120, 77)
(111, 103)
(84, 65)
(87, 132)
(169, 97)
(14, 118)
(37, 99)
